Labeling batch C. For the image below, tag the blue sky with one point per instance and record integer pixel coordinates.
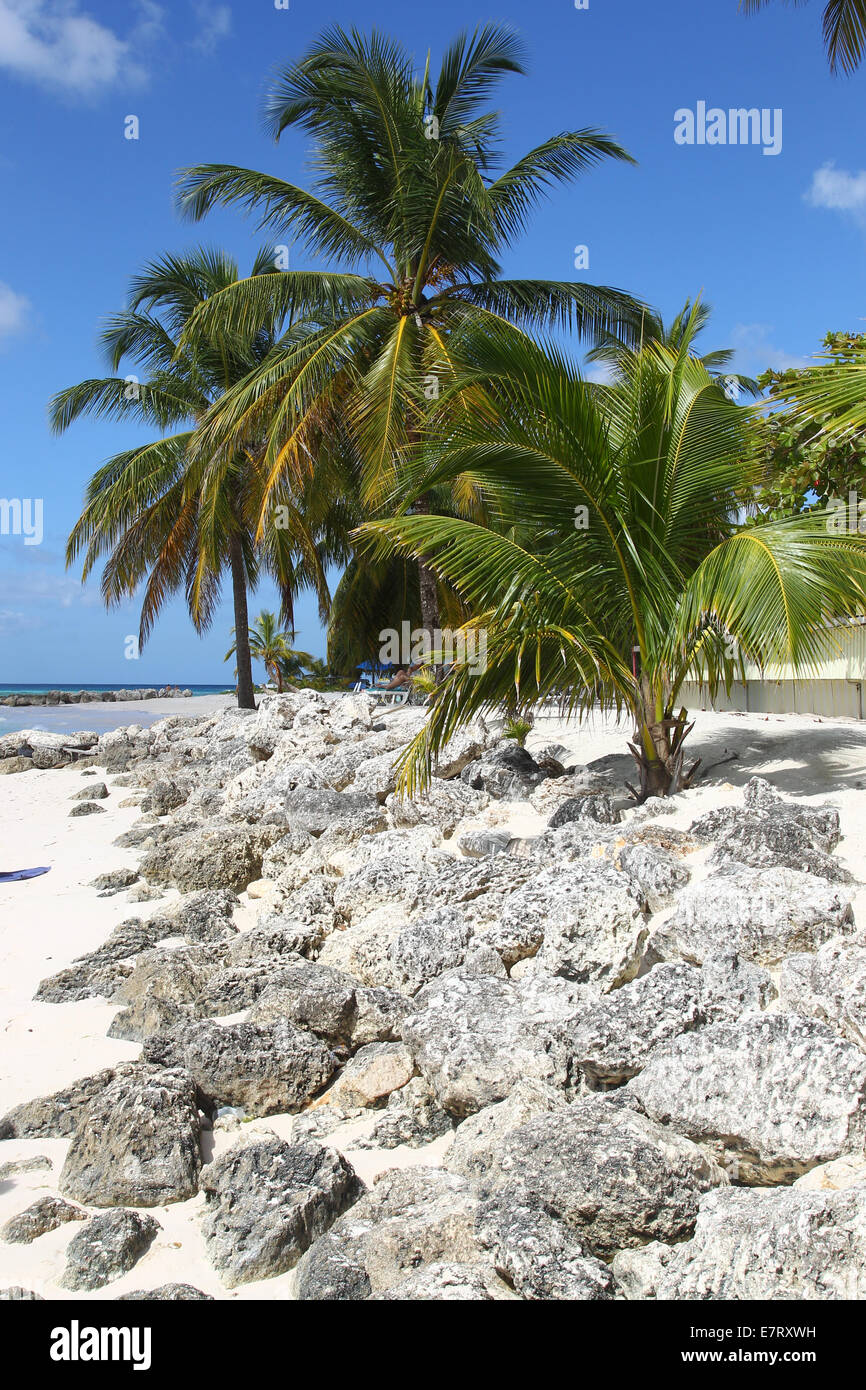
(776, 243)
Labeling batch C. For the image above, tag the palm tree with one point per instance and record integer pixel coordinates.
(844, 27)
(270, 645)
(626, 572)
(406, 183)
(163, 512)
(679, 335)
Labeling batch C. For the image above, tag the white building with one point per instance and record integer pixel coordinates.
(835, 688)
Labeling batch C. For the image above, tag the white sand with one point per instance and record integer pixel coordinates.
(46, 922)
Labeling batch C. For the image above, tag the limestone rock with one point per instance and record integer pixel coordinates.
(45, 1214)
(762, 1245)
(137, 1144)
(266, 1068)
(107, 1247)
(774, 1094)
(762, 914)
(267, 1202)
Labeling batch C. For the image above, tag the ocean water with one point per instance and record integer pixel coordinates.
(72, 719)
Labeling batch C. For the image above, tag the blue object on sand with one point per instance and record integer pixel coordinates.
(23, 873)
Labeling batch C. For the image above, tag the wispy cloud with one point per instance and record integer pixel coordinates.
(839, 191)
(756, 350)
(215, 23)
(59, 45)
(14, 311)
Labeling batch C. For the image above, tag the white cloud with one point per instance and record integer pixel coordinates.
(601, 373)
(215, 22)
(14, 309)
(57, 44)
(839, 191)
(756, 351)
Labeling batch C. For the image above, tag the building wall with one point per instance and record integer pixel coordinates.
(824, 697)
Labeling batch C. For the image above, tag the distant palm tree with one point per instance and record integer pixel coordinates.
(165, 513)
(679, 335)
(406, 182)
(270, 645)
(844, 28)
(627, 572)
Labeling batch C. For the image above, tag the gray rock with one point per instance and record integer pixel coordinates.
(443, 805)
(45, 1214)
(595, 806)
(424, 949)
(506, 772)
(165, 795)
(762, 1245)
(410, 1218)
(587, 918)
(478, 1139)
(442, 1282)
(472, 1041)
(464, 747)
(114, 881)
(759, 840)
(612, 1037)
(829, 985)
(94, 791)
(540, 1257)
(772, 1094)
(137, 1144)
(57, 1116)
(412, 1117)
(16, 1294)
(611, 1175)
(266, 1069)
(106, 1248)
(87, 808)
(220, 856)
(319, 809)
(656, 874)
(267, 1202)
(167, 1293)
(38, 1163)
(312, 996)
(762, 914)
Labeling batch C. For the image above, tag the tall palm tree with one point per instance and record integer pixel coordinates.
(407, 198)
(844, 26)
(627, 572)
(163, 513)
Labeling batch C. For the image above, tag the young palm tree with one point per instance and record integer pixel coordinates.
(844, 27)
(626, 572)
(409, 201)
(270, 645)
(163, 512)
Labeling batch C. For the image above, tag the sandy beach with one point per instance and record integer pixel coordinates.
(48, 921)
(102, 715)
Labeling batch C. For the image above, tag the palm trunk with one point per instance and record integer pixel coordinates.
(246, 691)
(427, 583)
(658, 746)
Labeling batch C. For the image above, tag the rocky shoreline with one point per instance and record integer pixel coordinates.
(515, 1039)
(23, 698)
